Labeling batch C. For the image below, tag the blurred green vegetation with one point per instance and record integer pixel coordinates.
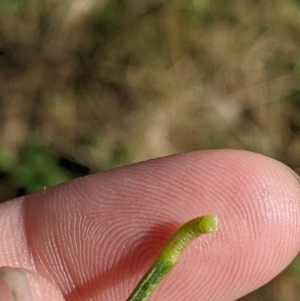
(12, 6)
(35, 168)
(108, 83)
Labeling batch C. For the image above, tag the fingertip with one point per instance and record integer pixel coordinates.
(255, 198)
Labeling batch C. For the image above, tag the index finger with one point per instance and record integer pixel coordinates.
(96, 236)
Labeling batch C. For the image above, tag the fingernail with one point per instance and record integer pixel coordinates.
(14, 285)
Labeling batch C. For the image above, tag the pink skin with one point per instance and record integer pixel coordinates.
(94, 237)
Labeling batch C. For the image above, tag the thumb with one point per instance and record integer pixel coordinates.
(22, 285)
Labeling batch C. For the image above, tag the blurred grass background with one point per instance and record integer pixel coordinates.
(89, 85)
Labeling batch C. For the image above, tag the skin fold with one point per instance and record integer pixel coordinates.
(93, 238)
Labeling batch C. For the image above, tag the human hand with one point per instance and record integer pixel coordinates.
(94, 237)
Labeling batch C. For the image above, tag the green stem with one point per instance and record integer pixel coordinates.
(171, 253)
